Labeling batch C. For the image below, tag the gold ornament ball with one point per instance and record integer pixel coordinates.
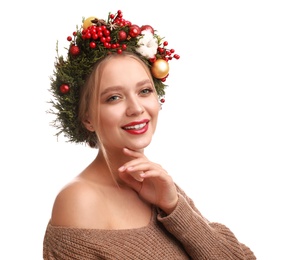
(160, 69)
(87, 22)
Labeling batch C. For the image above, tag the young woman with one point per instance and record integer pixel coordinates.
(122, 205)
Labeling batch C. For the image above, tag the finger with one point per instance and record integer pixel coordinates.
(142, 164)
(137, 166)
(135, 173)
(133, 163)
(137, 176)
(130, 181)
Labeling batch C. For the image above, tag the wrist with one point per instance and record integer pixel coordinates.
(171, 207)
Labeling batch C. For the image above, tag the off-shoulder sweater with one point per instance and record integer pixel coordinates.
(183, 234)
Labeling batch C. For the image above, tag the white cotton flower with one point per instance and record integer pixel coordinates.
(147, 45)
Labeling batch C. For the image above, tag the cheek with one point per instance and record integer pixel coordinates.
(109, 116)
(156, 108)
(153, 111)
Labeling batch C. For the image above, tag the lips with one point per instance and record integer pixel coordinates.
(138, 127)
(135, 127)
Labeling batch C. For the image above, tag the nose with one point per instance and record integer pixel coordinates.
(134, 106)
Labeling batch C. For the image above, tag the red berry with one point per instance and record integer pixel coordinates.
(94, 36)
(152, 60)
(119, 13)
(69, 38)
(160, 50)
(107, 45)
(87, 35)
(106, 32)
(64, 88)
(176, 56)
(92, 45)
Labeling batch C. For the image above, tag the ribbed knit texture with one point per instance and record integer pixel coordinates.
(184, 234)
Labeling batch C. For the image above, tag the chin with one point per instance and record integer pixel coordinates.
(138, 145)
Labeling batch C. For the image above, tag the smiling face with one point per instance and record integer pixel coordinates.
(128, 107)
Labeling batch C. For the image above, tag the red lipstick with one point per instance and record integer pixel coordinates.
(136, 127)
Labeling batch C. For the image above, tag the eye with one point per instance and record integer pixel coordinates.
(113, 98)
(146, 91)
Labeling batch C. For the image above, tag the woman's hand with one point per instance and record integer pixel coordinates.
(150, 181)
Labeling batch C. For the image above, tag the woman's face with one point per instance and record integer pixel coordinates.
(128, 104)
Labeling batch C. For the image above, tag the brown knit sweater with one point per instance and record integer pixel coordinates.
(184, 234)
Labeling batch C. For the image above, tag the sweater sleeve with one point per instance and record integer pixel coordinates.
(200, 238)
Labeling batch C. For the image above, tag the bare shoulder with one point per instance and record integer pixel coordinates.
(78, 204)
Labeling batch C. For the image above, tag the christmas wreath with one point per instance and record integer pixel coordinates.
(95, 39)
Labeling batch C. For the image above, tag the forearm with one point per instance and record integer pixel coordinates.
(200, 238)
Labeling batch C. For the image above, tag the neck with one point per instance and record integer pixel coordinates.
(106, 165)
(100, 173)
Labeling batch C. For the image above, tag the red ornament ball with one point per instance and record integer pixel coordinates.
(122, 35)
(64, 88)
(134, 31)
(75, 50)
(147, 27)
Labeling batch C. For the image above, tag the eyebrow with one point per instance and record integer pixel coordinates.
(117, 88)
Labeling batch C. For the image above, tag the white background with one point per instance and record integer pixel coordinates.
(220, 131)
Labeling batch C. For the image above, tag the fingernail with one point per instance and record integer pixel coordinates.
(122, 168)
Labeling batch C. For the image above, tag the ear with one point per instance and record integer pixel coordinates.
(88, 125)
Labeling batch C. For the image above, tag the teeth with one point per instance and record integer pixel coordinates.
(136, 127)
